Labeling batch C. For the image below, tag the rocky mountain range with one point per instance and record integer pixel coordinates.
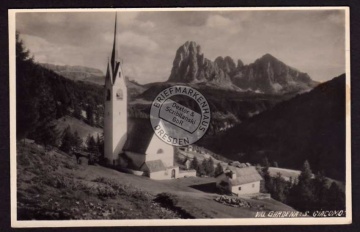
(266, 75)
(77, 73)
(190, 66)
(91, 75)
(270, 75)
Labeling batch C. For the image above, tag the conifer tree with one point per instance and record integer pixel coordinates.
(91, 144)
(90, 114)
(280, 188)
(335, 198)
(68, 140)
(201, 168)
(320, 190)
(77, 140)
(100, 144)
(77, 111)
(47, 134)
(266, 175)
(218, 170)
(302, 195)
(265, 167)
(209, 167)
(194, 163)
(26, 104)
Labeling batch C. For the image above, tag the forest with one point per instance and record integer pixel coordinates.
(44, 96)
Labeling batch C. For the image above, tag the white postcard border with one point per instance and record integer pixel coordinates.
(173, 222)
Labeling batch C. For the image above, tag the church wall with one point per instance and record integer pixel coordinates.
(160, 175)
(115, 118)
(187, 173)
(158, 149)
(119, 105)
(108, 122)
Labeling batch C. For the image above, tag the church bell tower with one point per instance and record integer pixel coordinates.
(115, 118)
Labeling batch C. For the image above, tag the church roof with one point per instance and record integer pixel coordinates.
(139, 135)
(155, 165)
(244, 175)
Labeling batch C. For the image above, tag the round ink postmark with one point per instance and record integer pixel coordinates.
(180, 115)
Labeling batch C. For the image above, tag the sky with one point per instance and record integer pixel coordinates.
(312, 41)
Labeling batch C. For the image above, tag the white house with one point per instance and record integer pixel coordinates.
(131, 143)
(239, 181)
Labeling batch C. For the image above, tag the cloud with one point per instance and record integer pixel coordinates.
(133, 40)
(222, 23)
(148, 40)
(146, 25)
(218, 21)
(127, 18)
(45, 51)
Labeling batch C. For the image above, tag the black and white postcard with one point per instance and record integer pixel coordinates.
(180, 116)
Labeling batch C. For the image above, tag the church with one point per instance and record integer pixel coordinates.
(131, 144)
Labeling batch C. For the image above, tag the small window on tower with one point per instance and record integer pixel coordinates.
(119, 94)
(108, 95)
(160, 151)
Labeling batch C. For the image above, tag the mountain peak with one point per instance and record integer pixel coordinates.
(270, 75)
(267, 74)
(268, 55)
(190, 66)
(227, 64)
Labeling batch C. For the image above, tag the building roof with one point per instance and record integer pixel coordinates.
(139, 135)
(155, 165)
(244, 175)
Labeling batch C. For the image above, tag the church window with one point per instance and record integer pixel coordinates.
(239, 188)
(108, 95)
(119, 94)
(160, 151)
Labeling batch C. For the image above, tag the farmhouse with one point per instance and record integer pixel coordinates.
(239, 181)
(130, 144)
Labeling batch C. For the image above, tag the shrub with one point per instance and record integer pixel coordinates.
(166, 199)
(106, 192)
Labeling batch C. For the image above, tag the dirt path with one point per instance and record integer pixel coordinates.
(190, 197)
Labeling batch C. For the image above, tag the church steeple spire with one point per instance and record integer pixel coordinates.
(115, 117)
(114, 49)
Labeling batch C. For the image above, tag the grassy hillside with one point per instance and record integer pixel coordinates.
(52, 186)
(80, 126)
(310, 126)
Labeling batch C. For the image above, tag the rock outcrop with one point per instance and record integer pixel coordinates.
(269, 75)
(266, 75)
(190, 66)
(227, 64)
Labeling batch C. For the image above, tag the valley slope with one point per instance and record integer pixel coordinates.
(310, 126)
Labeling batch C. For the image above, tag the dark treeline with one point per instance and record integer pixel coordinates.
(205, 168)
(307, 192)
(44, 96)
